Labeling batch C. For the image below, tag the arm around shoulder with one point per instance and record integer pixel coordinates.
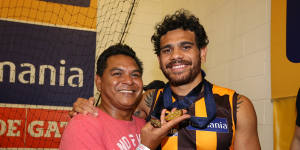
(246, 136)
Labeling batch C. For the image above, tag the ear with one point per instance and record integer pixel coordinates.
(203, 54)
(98, 82)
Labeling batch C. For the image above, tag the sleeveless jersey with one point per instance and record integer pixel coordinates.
(219, 133)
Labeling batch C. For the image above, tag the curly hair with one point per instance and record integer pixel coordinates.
(181, 19)
(117, 49)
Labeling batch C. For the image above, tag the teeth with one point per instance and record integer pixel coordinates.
(177, 67)
(126, 91)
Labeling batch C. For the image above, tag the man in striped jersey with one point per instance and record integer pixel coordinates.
(221, 118)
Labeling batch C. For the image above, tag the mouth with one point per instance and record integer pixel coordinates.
(178, 66)
(127, 91)
(178, 69)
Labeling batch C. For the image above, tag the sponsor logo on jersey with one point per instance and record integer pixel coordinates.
(216, 125)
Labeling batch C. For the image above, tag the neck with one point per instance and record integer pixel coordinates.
(184, 89)
(116, 113)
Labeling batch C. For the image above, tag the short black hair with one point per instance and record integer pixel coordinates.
(117, 49)
(155, 84)
(181, 19)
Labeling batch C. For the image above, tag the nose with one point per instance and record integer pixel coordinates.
(127, 79)
(176, 53)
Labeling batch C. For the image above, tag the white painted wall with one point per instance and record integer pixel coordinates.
(239, 55)
(148, 13)
(238, 52)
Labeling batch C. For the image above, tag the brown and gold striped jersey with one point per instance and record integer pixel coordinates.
(218, 134)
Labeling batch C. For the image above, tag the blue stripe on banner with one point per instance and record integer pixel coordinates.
(45, 65)
(81, 3)
(292, 31)
(216, 125)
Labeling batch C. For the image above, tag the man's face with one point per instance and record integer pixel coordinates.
(121, 83)
(180, 58)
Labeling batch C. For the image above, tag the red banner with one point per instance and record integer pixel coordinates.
(31, 128)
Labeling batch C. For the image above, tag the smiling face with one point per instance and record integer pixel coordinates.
(121, 83)
(180, 58)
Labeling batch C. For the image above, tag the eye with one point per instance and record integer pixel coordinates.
(186, 47)
(136, 75)
(166, 51)
(116, 74)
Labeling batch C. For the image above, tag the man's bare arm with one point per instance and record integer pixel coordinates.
(143, 109)
(246, 136)
(83, 106)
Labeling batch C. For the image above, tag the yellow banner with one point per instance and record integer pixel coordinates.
(284, 113)
(285, 75)
(54, 13)
(285, 80)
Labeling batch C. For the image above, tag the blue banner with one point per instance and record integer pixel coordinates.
(292, 31)
(45, 65)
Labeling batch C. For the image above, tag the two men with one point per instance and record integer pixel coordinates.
(119, 79)
(221, 118)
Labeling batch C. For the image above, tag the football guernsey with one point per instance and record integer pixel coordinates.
(218, 134)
